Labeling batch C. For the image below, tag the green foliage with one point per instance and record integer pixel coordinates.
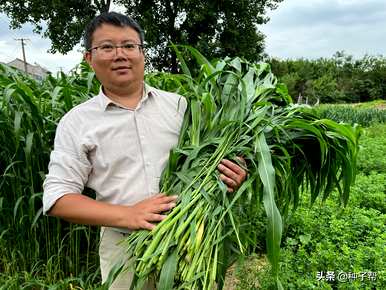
(44, 253)
(291, 80)
(371, 157)
(351, 114)
(317, 237)
(326, 238)
(369, 191)
(217, 28)
(65, 20)
(324, 88)
(38, 280)
(334, 80)
(31, 243)
(377, 104)
(236, 108)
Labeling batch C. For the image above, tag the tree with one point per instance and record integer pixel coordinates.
(338, 79)
(65, 20)
(217, 28)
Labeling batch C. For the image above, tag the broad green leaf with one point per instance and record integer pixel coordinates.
(275, 226)
(168, 272)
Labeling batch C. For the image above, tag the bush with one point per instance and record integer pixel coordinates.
(336, 79)
(369, 192)
(327, 239)
(371, 156)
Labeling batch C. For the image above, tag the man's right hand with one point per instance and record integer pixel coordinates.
(142, 214)
(81, 209)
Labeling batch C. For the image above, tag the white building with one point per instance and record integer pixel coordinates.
(36, 71)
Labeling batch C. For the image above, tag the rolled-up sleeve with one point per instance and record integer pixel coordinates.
(69, 167)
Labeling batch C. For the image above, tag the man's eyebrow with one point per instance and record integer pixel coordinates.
(131, 40)
(104, 40)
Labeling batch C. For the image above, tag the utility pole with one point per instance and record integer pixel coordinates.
(22, 40)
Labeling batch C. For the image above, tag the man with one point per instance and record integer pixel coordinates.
(117, 143)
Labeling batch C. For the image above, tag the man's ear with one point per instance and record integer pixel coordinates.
(87, 57)
(143, 51)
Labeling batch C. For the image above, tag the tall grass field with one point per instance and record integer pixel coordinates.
(39, 252)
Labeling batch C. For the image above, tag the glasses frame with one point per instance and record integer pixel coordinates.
(138, 45)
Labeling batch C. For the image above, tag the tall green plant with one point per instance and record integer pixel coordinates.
(237, 109)
(352, 115)
(29, 112)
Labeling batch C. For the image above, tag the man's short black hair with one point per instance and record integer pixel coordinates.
(112, 18)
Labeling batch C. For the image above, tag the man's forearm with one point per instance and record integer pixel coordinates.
(81, 209)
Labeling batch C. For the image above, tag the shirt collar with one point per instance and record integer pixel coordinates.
(105, 101)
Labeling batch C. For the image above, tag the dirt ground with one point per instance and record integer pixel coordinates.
(247, 270)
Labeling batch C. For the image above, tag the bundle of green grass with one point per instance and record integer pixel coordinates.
(236, 108)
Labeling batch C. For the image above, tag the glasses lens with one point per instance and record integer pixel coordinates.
(109, 51)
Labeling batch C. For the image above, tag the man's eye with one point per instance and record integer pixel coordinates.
(128, 46)
(107, 47)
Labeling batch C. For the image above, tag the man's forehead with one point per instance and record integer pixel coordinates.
(108, 32)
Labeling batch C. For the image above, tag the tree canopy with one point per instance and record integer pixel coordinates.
(217, 28)
(332, 80)
(64, 21)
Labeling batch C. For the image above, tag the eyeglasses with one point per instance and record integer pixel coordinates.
(110, 50)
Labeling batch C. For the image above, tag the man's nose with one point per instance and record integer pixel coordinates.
(120, 52)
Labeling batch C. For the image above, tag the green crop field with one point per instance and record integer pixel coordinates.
(323, 246)
(349, 243)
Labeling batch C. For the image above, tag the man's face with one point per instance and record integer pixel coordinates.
(117, 69)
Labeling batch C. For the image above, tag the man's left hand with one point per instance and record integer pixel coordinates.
(232, 174)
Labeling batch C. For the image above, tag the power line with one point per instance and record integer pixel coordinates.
(22, 40)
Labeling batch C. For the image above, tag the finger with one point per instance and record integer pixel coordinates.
(228, 181)
(228, 172)
(155, 217)
(158, 195)
(233, 166)
(147, 226)
(239, 170)
(168, 198)
(164, 207)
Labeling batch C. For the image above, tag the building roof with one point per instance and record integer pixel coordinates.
(34, 70)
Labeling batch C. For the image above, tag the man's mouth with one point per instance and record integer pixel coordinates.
(121, 68)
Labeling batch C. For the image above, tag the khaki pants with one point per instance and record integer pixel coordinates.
(110, 253)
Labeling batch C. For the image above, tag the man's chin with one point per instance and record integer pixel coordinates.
(126, 82)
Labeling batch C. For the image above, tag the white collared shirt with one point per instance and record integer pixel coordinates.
(118, 152)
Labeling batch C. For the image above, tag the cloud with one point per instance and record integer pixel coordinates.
(315, 28)
(295, 13)
(298, 28)
(36, 48)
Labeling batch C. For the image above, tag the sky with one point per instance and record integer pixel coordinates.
(35, 49)
(320, 28)
(297, 29)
